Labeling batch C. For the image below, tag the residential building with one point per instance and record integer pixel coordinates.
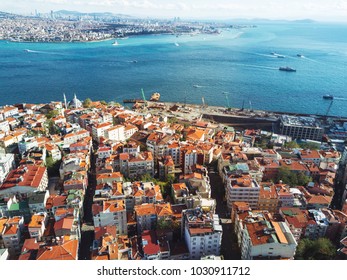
(202, 233)
(7, 164)
(267, 239)
(154, 248)
(37, 225)
(112, 212)
(268, 198)
(25, 179)
(242, 188)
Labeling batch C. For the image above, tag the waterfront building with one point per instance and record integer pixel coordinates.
(301, 127)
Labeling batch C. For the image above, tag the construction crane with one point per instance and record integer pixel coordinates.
(203, 102)
(331, 104)
(144, 97)
(250, 106)
(226, 98)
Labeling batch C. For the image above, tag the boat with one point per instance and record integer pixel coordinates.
(328, 96)
(134, 61)
(299, 55)
(287, 68)
(155, 96)
(115, 43)
(177, 44)
(278, 55)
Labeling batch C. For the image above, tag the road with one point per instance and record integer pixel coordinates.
(229, 247)
(87, 232)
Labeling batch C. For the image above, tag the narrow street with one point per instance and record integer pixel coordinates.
(87, 228)
(229, 249)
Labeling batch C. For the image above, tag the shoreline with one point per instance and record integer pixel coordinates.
(248, 111)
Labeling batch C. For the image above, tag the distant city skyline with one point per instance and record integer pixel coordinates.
(332, 10)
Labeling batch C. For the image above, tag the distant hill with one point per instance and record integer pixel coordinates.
(103, 14)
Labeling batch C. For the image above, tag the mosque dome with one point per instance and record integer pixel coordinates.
(75, 103)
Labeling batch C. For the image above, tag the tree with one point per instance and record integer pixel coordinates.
(303, 180)
(291, 145)
(87, 103)
(320, 249)
(310, 146)
(103, 102)
(52, 114)
(52, 166)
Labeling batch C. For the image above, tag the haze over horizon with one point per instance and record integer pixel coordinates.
(321, 10)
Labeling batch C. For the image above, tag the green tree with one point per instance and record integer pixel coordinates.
(52, 166)
(284, 175)
(87, 103)
(103, 102)
(303, 180)
(291, 145)
(52, 114)
(310, 146)
(320, 249)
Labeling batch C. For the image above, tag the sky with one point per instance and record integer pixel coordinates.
(324, 10)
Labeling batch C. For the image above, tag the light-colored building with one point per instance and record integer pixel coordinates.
(202, 233)
(267, 240)
(100, 130)
(11, 234)
(115, 133)
(37, 225)
(242, 188)
(112, 212)
(25, 179)
(7, 163)
(301, 127)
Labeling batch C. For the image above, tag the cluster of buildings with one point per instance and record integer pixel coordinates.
(132, 217)
(29, 29)
(108, 157)
(270, 217)
(78, 27)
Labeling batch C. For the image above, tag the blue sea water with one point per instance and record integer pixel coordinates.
(238, 62)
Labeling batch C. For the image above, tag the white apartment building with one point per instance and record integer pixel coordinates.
(242, 189)
(267, 240)
(7, 163)
(100, 130)
(74, 137)
(202, 233)
(113, 212)
(116, 133)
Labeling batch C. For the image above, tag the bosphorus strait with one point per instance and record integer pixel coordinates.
(240, 63)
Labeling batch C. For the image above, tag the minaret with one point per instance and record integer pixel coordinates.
(75, 100)
(65, 103)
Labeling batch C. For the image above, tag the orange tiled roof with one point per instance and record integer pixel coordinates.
(66, 251)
